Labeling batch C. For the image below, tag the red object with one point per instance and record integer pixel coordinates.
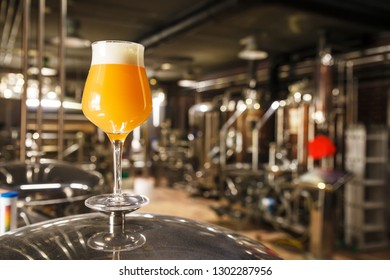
(321, 146)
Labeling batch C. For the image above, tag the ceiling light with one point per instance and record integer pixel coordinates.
(153, 82)
(252, 55)
(327, 59)
(202, 107)
(188, 80)
(73, 39)
(8, 93)
(166, 66)
(186, 83)
(46, 71)
(250, 52)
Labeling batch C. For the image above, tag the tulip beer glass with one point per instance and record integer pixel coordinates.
(117, 99)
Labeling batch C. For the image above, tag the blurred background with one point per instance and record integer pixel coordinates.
(269, 117)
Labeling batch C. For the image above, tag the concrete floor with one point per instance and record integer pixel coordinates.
(179, 202)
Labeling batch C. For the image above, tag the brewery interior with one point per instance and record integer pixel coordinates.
(269, 117)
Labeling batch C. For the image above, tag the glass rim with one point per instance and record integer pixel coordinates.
(116, 41)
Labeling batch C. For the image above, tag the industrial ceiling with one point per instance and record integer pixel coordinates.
(198, 36)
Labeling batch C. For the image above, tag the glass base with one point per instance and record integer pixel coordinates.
(108, 242)
(124, 202)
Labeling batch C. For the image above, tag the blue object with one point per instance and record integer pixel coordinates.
(9, 194)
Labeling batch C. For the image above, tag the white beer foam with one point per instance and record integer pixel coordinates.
(117, 52)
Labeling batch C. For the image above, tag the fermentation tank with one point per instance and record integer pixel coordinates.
(49, 190)
(204, 121)
(153, 237)
(294, 128)
(112, 235)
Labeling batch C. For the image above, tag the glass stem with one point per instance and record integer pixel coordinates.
(118, 147)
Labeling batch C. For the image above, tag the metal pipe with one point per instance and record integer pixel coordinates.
(311, 133)
(208, 118)
(241, 108)
(364, 53)
(302, 135)
(274, 106)
(324, 83)
(223, 82)
(280, 126)
(41, 36)
(255, 149)
(272, 154)
(7, 26)
(388, 107)
(3, 13)
(350, 114)
(324, 91)
(23, 109)
(256, 132)
(14, 34)
(61, 52)
(186, 22)
(302, 68)
(340, 117)
(367, 60)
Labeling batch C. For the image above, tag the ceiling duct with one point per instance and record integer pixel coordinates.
(186, 22)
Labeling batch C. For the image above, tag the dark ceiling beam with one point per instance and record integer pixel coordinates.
(372, 14)
(186, 21)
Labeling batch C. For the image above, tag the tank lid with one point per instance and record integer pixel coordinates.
(153, 237)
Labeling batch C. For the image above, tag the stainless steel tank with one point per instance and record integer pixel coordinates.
(294, 127)
(152, 236)
(49, 190)
(204, 121)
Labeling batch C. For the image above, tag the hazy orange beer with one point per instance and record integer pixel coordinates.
(116, 95)
(117, 99)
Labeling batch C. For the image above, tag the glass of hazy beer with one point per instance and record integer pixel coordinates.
(117, 99)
